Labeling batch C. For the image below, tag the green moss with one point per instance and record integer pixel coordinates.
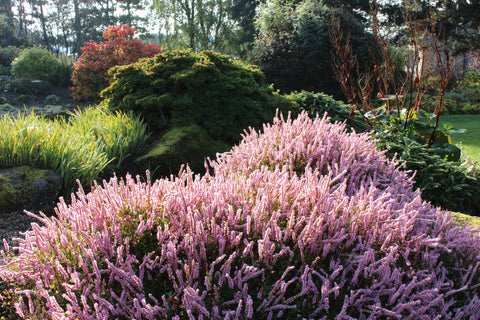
(181, 145)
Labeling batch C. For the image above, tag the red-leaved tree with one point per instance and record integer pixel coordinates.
(90, 74)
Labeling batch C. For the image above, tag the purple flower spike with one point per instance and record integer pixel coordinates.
(301, 221)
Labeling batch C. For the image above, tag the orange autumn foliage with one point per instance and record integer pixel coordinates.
(90, 74)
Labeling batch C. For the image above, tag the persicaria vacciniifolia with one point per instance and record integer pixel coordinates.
(303, 220)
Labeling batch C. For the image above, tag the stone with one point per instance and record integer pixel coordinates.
(28, 188)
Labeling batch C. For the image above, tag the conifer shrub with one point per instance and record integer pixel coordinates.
(181, 88)
(302, 221)
(319, 103)
(445, 183)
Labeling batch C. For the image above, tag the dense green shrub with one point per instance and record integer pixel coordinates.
(7, 55)
(471, 80)
(464, 98)
(458, 101)
(35, 63)
(64, 71)
(180, 88)
(319, 103)
(444, 183)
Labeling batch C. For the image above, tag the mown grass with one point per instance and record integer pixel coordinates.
(79, 147)
(469, 141)
(461, 219)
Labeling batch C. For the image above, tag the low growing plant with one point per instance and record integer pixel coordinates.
(444, 183)
(303, 220)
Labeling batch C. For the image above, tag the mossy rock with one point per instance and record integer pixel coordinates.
(181, 145)
(25, 187)
(23, 99)
(7, 109)
(52, 111)
(53, 99)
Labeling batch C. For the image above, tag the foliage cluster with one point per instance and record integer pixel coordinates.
(462, 98)
(301, 221)
(181, 88)
(417, 126)
(38, 64)
(90, 74)
(319, 103)
(78, 148)
(7, 55)
(35, 63)
(442, 182)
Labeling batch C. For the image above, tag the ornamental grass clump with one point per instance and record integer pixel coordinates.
(302, 221)
(80, 147)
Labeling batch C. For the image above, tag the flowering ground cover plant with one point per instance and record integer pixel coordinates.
(302, 221)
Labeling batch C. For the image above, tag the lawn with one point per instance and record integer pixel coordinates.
(469, 141)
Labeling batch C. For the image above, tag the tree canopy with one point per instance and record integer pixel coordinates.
(293, 46)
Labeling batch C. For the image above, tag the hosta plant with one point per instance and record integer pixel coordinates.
(302, 221)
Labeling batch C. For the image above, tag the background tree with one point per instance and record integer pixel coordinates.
(244, 12)
(10, 29)
(458, 20)
(130, 14)
(293, 47)
(196, 24)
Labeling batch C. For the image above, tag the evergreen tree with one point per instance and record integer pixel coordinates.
(293, 46)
